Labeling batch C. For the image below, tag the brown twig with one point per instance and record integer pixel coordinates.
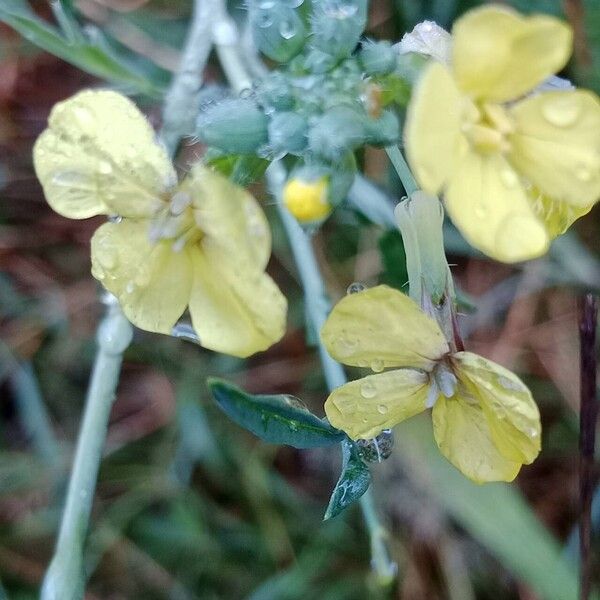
(588, 312)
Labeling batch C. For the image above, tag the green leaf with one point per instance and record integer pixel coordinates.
(495, 514)
(87, 56)
(354, 481)
(275, 419)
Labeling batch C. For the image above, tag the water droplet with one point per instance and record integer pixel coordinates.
(583, 173)
(561, 111)
(287, 29)
(130, 287)
(509, 384)
(480, 211)
(266, 4)
(377, 449)
(264, 20)
(115, 219)
(382, 409)
(377, 365)
(84, 115)
(294, 3)
(368, 389)
(340, 9)
(104, 167)
(355, 288)
(108, 258)
(509, 178)
(185, 331)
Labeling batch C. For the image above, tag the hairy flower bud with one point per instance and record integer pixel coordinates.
(377, 58)
(234, 126)
(336, 132)
(287, 132)
(277, 29)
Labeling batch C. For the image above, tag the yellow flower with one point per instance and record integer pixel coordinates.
(516, 169)
(485, 421)
(202, 244)
(307, 200)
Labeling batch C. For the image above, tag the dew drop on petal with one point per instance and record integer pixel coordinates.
(368, 390)
(480, 212)
(382, 409)
(287, 29)
(104, 167)
(509, 178)
(583, 173)
(377, 365)
(561, 112)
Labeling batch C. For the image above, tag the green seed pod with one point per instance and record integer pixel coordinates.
(234, 126)
(337, 26)
(384, 130)
(377, 58)
(339, 130)
(275, 92)
(277, 29)
(288, 132)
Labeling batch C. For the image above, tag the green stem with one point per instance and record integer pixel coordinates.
(317, 308)
(402, 168)
(65, 578)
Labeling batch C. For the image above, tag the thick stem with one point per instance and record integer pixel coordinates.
(65, 578)
(317, 308)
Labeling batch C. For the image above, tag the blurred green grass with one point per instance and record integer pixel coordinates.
(188, 504)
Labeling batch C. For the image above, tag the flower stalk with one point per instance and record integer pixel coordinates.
(317, 309)
(65, 578)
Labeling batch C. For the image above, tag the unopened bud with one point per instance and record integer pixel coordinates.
(377, 58)
(234, 126)
(287, 132)
(307, 199)
(336, 132)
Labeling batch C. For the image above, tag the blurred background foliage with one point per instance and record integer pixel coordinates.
(188, 504)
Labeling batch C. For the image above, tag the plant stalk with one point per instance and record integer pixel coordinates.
(65, 578)
(317, 308)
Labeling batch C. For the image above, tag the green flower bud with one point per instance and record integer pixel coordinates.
(275, 92)
(277, 29)
(377, 58)
(234, 126)
(337, 26)
(384, 130)
(339, 130)
(288, 132)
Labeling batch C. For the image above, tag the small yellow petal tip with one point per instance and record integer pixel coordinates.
(307, 200)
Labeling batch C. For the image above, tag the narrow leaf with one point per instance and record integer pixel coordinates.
(354, 481)
(279, 419)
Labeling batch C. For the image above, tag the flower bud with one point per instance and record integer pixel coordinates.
(287, 132)
(306, 197)
(429, 39)
(384, 130)
(337, 26)
(377, 58)
(336, 132)
(234, 126)
(277, 29)
(274, 92)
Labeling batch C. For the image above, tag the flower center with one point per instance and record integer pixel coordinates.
(175, 221)
(441, 381)
(487, 127)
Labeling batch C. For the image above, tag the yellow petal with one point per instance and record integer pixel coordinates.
(236, 309)
(151, 281)
(381, 327)
(226, 212)
(365, 407)
(513, 416)
(99, 156)
(307, 200)
(463, 435)
(499, 55)
(488, 204)
(557, 144)
(432, 130)
(556, 215)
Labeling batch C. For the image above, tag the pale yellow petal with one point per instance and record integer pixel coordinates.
(512, 414)
(151, 281)
(556, 215)
(557, 144)
(499, 55)
(464, 437)
(236, 309)
(381, 327)
(432, 131)
(489, 205)
(228, 213)
(99, 156)
(365, 407)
